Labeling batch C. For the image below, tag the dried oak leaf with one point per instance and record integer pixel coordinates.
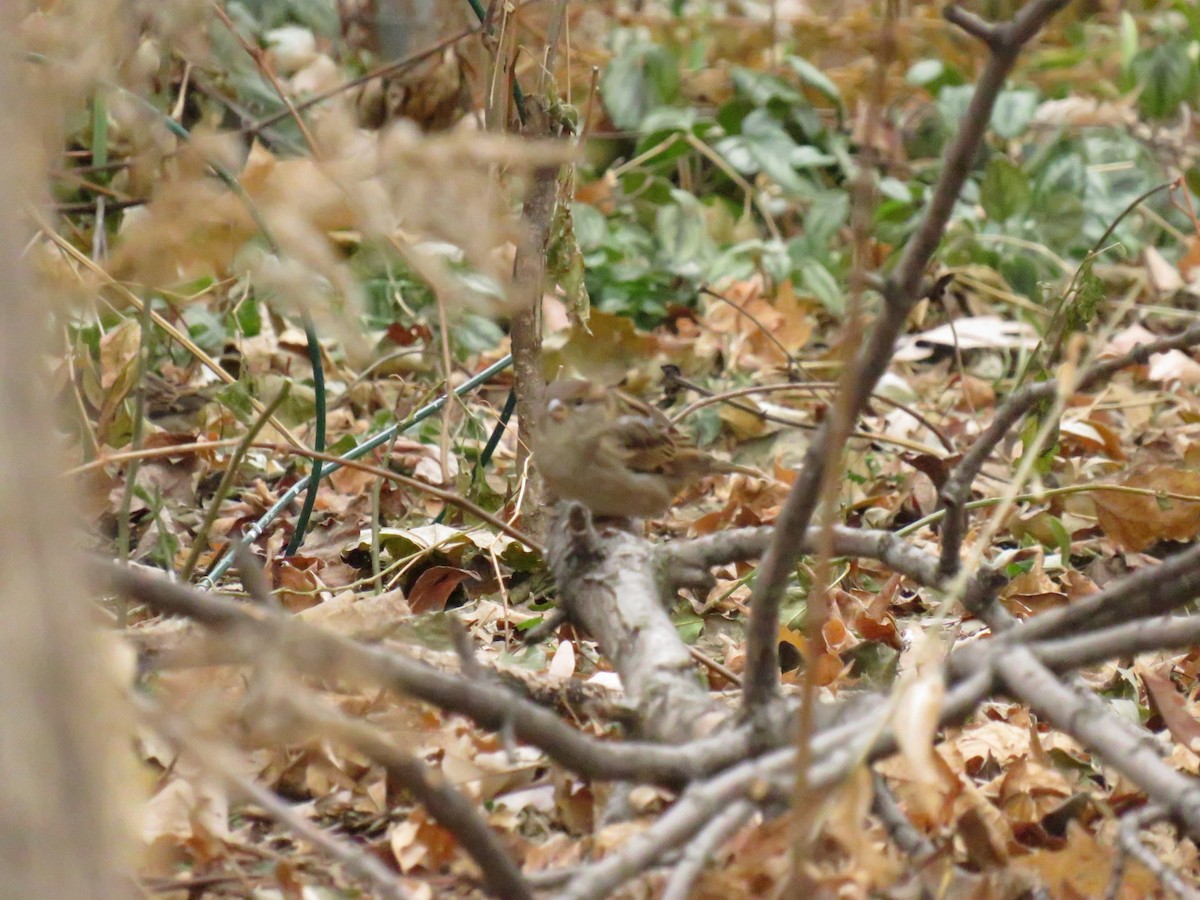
(1136, 521)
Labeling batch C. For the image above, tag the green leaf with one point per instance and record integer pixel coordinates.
(235, 397)
(1013, 112)
(642, 78)
(830, 210)
(564, 259)
(590, 227)
(248, 317)
(764, 146)
(476, 334)
(809, 158)
(817, 280)
(812, 77)
(206, 328)
(933, 75)
(952, 103)
(1128, 41)
(1167, 77)
(1062, 537)
(688, 624)
(683, 235)
(1021, 273)
(1062, 217)
(1004, 191)
(1066, 172)
(762, 89)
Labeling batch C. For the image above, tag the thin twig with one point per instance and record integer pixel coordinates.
(200, 541)
(218, 760)
(901, 292)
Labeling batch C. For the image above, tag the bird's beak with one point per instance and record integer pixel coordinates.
(557, 409)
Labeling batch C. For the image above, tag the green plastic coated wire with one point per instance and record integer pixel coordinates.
(310, 332)
(320, 470)
(310, 500)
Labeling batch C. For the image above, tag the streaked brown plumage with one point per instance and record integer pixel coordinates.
(614, 455)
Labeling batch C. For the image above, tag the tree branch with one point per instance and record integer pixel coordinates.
(315, 651)
(956, 490)
(900, 293)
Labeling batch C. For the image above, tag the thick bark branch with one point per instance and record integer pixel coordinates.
(608, 585)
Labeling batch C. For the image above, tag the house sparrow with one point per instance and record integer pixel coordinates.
(614, 455)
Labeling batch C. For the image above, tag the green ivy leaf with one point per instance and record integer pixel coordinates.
(812, 77)
(683, 235)
(641, 78)
(952, 102)
(763, 146)
(1167, 76)
(1004, 191)
(1013, 112)
(248, 316)
(235, 397)
(1062, 217)
(933, 75)
(818, 281)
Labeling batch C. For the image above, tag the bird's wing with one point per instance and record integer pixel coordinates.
(643, 443)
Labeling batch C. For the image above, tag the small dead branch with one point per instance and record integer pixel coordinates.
(900, 292)
(1131, 845)
(1146, 593)
(314, 651)
(449, 807)
(1084, 716)
(701, 848)
(1130, 639)
(219, 760)
(907, 838)
(955, 492)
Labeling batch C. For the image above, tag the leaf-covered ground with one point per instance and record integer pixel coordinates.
(735, 177)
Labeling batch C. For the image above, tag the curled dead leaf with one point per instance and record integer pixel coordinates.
(1136, 521)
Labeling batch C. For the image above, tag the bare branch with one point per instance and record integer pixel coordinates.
(318, 652)
(699, 851)
(690, 813)
(739, 544)
(901, 291)
(1131, 845)
(452, 810)
(220, 761)
(1079, 713)
(1140, 636)
(955, 492)
(907, 839)
(836, 750)
(1148, 592)
(972, 24)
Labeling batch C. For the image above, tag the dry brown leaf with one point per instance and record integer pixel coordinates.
(1183, 725)
(1164, 276)
(1136, 521)
(297, 580)
(1084, 868)
(434, 587)
(1189, 262)
(370, 617)
(1173, 367)
(915, 717)
(603, 352)
(1033, 591)
(419, 843)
